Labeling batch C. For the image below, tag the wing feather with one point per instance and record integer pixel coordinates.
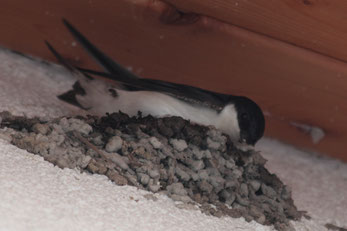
(132, 82)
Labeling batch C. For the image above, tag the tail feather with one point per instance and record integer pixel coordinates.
(118, 72)
(65, 63)
(77, 89)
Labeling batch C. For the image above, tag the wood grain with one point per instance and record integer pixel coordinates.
(318, 25)
(154, 40)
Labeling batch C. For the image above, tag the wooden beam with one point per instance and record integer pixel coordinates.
(155, 40)
(316, 25)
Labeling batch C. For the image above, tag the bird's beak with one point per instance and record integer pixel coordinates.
(244, 146)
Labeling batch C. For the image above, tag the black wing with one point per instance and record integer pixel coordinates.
(184, 92)
(132, 82)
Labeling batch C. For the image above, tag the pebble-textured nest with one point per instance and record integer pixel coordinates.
(190, 163)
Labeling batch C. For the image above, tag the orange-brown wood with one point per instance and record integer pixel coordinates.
(154, 40)
(318, 25)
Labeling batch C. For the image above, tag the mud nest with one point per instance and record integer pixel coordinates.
(188, 162)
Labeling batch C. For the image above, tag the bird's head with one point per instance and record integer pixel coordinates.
(243, 120)
(251, 120)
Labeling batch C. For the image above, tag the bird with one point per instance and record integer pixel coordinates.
(237, 116)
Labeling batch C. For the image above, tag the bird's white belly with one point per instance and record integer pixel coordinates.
(155, 104)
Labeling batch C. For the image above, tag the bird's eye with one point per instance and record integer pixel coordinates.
(244, 116)
(244, 121)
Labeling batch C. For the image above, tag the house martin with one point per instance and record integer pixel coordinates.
(237, 116)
